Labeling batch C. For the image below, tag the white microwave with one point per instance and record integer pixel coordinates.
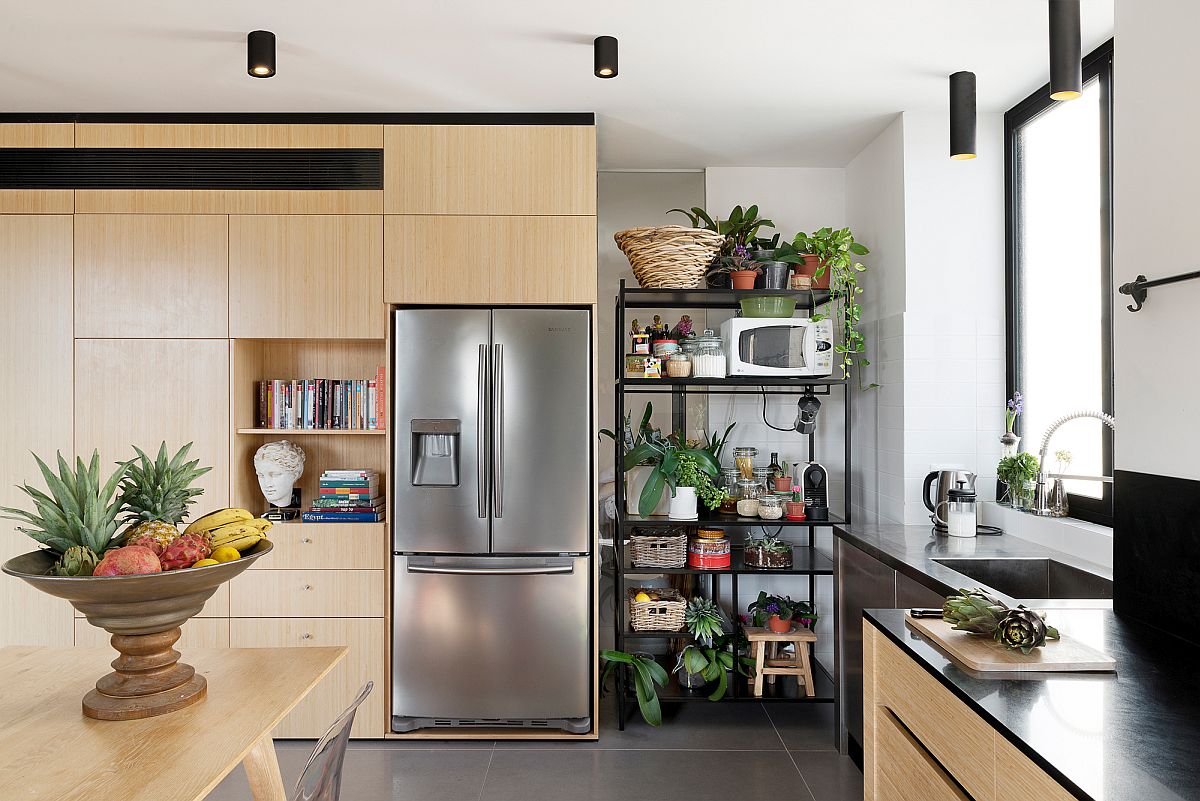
(774, 346)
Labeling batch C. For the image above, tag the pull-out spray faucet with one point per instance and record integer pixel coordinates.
(1041, 499)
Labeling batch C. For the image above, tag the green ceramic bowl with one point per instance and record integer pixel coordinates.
(768, 306)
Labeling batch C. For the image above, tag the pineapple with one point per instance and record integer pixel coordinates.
(82, 512)
(156, 494)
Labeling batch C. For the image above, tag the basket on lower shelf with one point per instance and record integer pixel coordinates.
(666, 547)
(663, 612)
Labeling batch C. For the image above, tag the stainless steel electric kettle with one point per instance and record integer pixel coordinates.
(946, 481)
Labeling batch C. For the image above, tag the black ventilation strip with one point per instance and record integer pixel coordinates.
(191, 168)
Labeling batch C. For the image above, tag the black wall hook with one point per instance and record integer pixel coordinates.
(1138, 287)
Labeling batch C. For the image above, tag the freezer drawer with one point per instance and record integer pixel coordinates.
(491, 641)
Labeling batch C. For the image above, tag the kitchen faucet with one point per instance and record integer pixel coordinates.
(1041, 504)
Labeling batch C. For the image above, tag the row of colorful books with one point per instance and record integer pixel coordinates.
(322, 403)
(347, 496)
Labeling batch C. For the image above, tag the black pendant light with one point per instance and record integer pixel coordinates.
(260, 54)
(962, 116)
(1066, 70)
(606, 56)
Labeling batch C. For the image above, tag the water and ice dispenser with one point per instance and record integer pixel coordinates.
(435, 452)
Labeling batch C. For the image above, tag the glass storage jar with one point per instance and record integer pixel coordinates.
(744, 459)
(729, 485)
(748, 492)
(770, 507)
(708, 358)
(765, 476)
(679, 365)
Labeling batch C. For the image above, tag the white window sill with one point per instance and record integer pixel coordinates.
(1076, 537)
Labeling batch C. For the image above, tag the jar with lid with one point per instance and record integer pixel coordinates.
(729, 485)
(770, 506)
(748, 494)
(765, 477)
(709, 356)
(679, 365)
(744, 459)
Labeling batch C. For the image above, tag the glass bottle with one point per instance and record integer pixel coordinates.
(729, 485)
(776, 470)
(765, 478)
(744, 459)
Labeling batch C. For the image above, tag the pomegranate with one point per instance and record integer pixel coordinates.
(131, 560)
(184, 551)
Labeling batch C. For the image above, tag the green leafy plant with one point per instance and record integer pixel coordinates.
(688, 473)
(80, 511)
(837, 252)
(741, 227)
(769, 543)
(714, 662)
(782, 605)
(1014, 470)
(702, 618)
(646, 673)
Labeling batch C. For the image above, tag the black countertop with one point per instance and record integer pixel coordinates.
(1134, 736)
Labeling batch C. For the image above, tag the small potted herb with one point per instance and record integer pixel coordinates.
(779, 613)
(1018, 474)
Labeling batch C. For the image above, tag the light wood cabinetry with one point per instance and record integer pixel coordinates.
(326, 546)
(35, 327)
(1018, 779)
(308, 593)
(240, 135)
(143, 391)
(490, 169)
(306, 276)
(157, 276)
(490, 260)
(199, 632)
(37, 201)
(904, 769)
(366, 639)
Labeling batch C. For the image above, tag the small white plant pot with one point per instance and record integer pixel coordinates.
(683, 505)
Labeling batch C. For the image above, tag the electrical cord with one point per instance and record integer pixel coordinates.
(763, 390)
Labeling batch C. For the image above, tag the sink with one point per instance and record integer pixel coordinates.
(1033, 578)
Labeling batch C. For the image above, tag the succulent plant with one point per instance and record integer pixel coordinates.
(974, 611)
(1023, 629)
(703, 619)
(78, 560)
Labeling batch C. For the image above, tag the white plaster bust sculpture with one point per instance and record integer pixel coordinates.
(279, 466)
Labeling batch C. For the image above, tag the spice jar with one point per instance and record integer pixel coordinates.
(729, 485)
(770, 507)
(744, 459)
(665, 347)
(748, 492)
(708, 358)
(679, 365)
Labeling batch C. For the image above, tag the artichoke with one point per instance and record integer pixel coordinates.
(1023, 629)
(78, 560)
(974, 611)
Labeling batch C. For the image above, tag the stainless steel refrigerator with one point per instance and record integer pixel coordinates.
(492, 507)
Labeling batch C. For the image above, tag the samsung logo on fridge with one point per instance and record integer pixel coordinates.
(563, 330)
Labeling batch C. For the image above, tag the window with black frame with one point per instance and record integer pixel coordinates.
(1059, 283)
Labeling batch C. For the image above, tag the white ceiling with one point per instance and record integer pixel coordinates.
(702, 83)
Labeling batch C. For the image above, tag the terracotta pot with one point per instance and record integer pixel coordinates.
(783, 484)
(809, 267)
(775, 624)
(794, 510)
(743, 279)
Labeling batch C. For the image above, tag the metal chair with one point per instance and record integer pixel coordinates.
(321, 779)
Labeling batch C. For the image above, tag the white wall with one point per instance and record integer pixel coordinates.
(794, 198)
(1155, 210)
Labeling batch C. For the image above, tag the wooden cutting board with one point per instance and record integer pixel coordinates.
(982, 653)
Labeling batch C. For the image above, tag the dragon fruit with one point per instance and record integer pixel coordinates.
(184, 551)
(128, 561)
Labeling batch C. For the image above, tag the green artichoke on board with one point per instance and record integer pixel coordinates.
(1024, 629)
(78, 560)
(974, 611)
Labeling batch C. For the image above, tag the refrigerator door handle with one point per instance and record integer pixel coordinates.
(498, 431)
(481, 434)
(493, 571)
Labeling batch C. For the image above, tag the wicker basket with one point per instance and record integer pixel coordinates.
(664, 548)
(669, 256)
(662, 615)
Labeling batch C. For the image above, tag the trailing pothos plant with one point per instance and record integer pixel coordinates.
(646, 673)
(714, 662)
(837, 252)
(740, 228)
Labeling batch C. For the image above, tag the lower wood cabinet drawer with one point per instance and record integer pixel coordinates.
(1018, 779)
(957, 737)
(326, 546)
(308, 593)
(904, 770)
(199, 632)
(366, 639)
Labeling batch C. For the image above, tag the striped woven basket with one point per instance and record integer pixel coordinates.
(669, 256)
(665, 614)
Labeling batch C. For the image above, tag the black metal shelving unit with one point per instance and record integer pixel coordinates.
(721, 584)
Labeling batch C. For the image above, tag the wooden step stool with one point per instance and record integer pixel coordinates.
(765, 650)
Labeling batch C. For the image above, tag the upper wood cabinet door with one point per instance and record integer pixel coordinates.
(35, 327)
(143, 391)
(489, 169)
(308, 276)
(443, 259)
(151, 276)
(37, 134)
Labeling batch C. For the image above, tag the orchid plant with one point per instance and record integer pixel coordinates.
(738, 259)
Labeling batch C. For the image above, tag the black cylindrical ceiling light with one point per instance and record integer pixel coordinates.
(260, 54)
(1066, 50)
(606, 56)
(962, 116)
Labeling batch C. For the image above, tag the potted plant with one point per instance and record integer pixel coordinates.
(768, 552)
(740, 230)
(779, 613)
(838, 271)
(1009, 440)
(1018, 474)
(702, 619)
(646, 673)
(783, 478)
(709, 663)
(740, 267)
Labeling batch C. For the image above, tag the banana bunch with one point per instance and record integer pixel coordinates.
(236, 528)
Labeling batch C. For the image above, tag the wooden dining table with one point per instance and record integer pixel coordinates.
(50, 752)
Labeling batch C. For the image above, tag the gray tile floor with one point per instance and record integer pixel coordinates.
(723, 752)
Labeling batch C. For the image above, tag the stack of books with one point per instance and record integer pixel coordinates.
(348, 404)
(347, 496)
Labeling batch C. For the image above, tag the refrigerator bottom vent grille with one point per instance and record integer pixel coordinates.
(451, 723)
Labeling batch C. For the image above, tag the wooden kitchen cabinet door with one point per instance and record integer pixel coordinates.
(490, 169)
(365, 662)
(143, 391)
(904, 770)
(490, 260)
(152, 276)
(306, 276)
(35, 326)
(37, 134)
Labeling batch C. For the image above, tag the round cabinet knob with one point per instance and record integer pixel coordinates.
(306, 587)
(307, 540)
(306, 636)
